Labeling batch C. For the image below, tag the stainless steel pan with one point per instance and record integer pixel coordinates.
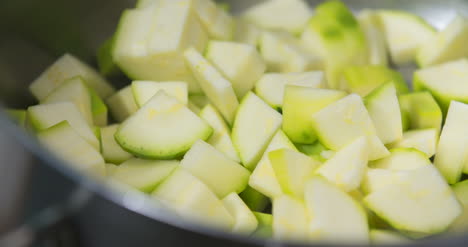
(40, 198)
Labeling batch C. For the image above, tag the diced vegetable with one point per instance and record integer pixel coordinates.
(122, 104)
(245, 220)
(290, 219)
(424, 140)
(375, 38)
(421, 111)
(110, 149)
(402, 159)
(145, 90)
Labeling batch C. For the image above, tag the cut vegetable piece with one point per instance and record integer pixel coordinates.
(163, 128)
(385, 237)
(316, 150)
(265, 225)
(424, 140)
(239, 63)
(62, 140)
(150, 42)
(213, 168)
(283, 53)
(291, 16)
(377, 179)
(199, 100)
(263, 178)
(271, 86)
(368, 20)
(347, 167)
(334, 30)
(422, 203)
(255, 200)
(145, 90)
(448, 44)
(216, 87)
(221, 137)
(300, 103)
(336, 216)
(452, 150)
(290, 219)
(446, 82)
(246, 33)
(256, 124)
(461, 223)
(144, 175)
(122, 104)
(364, 79)
(404, 43)
(105, 61)
(98, 109)
(244, 220)
(292, 169)
(110, 169)
(66, 67)
(217, 22)
(110, 149)
(402, 159)
(18, 116)
(192, 199)
(75, 91)
(384, 109)
(421, 110)
(48, 115)
(343, 121)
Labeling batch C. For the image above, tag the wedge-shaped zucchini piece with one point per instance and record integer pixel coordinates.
(240, 63)
(335, 216)
(336, 34)
(291, 16)
(122, 104)
(446, 82)
(384, 109)
(145, 90)
(446, 45)
(461, 223)
(65, 68)
(150, 42)
(110, 149)
(345, 120)
(62, 140)
(263, 178)
(163, 128)
(423, 203)
(377, 179)
(246, 32)
(283, 53)
(386, 237)
(244, 220)
(375, 38)
(424, 140)
(271, 86)
(192, 199)
(347, 167)
(221, 137)
(98, 109)
(421, 110)
(265, 225)
(218, 89)
(402, 159)
(105, 61)
(451, 151)
(404, 43)
(290, 219)
(144, 175)
(255, 200)
(364, 79)
(45, 116)
(221, 174)
(256, 124)
(18, 116)
(300, 103)
(292, 169)
(75, 91)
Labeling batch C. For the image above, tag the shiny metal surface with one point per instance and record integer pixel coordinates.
(32, 34)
